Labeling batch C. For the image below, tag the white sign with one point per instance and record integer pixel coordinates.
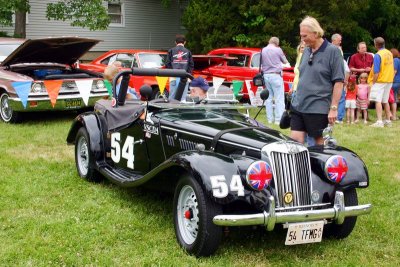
(302, 233)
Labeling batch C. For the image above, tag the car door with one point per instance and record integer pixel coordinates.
(129, 149)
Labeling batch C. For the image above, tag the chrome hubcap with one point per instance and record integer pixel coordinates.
(6, 111)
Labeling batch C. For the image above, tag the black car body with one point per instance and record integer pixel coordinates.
(225, 168)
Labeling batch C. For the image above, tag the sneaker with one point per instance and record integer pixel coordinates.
(387, 123)
(365, 122)
(377, 124)
(338, 122)
(356, 121)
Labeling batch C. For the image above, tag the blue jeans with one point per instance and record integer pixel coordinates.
(173, 86)
(342, 106)
(274, 84)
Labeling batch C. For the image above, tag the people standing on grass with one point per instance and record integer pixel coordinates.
(179, 57)
(381, 78)
(351, 96)
(271, 65)
(362, 97)
(320, 86)
(396, 82)
(361, 61)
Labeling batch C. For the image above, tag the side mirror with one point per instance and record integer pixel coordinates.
(264, 94)
(146, 91)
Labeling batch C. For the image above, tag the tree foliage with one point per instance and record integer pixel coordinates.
(211, 24)
(92, 14)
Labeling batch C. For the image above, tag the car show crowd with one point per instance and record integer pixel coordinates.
(328, 89)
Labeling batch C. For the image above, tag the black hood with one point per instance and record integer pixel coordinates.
(62, 50)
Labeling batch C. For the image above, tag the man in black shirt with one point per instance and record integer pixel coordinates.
(180, 57)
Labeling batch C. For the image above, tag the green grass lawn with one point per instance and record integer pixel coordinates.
(51, 217)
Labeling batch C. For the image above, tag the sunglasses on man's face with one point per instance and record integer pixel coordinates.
(310, 59)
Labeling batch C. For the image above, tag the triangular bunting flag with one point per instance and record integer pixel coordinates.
(253, 87)
(248, 85)
(84, 87)
(109, 87)
(237, 86)
(173, 85)
(162, 81)
(217, 82)
(53, 88)
(22, 89)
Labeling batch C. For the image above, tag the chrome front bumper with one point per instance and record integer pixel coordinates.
(270, 218)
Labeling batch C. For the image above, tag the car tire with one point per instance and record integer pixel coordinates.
(340, 231)
(193, 219)
(6, 112)
(84, 158)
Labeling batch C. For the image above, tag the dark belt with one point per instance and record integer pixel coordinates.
(273, 73)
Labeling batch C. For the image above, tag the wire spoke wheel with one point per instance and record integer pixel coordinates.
(82, 156)
(193, 217)
(188, 214)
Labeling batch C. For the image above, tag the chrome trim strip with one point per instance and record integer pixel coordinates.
(236, 144)
(186, 132)
(270, 218)
(209, 138)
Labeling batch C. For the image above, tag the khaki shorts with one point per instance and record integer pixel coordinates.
(380, 92)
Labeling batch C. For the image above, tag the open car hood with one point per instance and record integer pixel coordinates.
(62, 50)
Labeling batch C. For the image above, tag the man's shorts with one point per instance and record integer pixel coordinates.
(380, 92)
(351, 103)
(312, 124)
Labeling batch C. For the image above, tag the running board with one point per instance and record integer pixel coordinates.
(119, 176)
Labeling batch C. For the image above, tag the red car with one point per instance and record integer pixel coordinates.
(130, 58)
(235, 64)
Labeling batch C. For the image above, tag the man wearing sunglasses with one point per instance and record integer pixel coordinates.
(320, 84)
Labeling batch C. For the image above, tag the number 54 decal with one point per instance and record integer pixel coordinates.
(220, 187)
(127, 151)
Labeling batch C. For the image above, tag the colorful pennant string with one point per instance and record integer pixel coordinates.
(22, 89)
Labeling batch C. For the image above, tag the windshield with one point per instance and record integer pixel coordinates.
(148, 60)
(6, 50)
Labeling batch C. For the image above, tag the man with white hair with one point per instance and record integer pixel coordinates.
(271, 65)
(336, 39)
(320, 84)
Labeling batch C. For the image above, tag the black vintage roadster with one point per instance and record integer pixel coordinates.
(225, 168)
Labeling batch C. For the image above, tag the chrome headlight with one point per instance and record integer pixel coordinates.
(100, 84)
(38, 88)
(259, 175)
(336, 168)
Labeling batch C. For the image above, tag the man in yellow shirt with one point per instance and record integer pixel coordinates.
(381, 79)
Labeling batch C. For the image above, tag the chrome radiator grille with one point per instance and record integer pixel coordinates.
(291, 171)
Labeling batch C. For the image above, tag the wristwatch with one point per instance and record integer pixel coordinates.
(333, 107)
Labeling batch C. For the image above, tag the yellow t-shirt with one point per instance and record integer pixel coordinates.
(296, 72)
(386, 73)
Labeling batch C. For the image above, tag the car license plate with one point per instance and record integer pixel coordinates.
(302, 233)
(73, 103)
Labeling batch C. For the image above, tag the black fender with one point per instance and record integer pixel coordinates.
(202, 165)
(357, 174)
(93, 125)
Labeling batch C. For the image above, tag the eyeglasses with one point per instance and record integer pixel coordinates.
(310, 59)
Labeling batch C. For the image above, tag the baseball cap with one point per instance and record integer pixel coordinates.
(200, 82)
